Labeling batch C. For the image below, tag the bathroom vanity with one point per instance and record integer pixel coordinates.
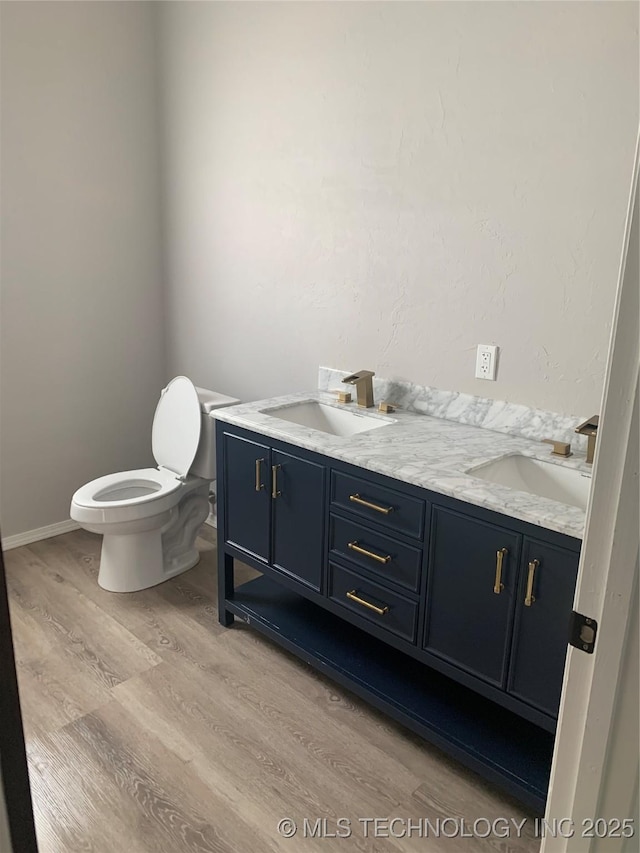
(448, 615)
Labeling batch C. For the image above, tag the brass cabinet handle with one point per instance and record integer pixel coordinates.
(275, 493)
(355, 547)
(498, 586)
(358, 500)
(259, 483)
(381, 611)
(530, 597)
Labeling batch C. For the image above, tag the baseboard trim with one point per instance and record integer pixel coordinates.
(38, 533)
(50, 530)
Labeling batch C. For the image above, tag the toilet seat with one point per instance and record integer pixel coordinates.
(149, 483)
(127, 496)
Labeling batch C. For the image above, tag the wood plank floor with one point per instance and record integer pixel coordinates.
(152, 729)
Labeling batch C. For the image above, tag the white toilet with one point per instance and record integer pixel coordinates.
(150, 517)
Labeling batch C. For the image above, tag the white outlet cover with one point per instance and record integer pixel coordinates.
(486, 362)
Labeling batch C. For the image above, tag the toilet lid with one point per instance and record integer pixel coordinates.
(175, 434)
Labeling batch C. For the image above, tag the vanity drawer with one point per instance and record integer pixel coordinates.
(384, 506)
(392, 560)
(373, 602)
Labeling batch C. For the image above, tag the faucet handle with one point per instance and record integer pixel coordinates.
(386, 408)
(560, 448)
(343, 396)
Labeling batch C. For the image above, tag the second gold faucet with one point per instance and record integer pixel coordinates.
(590, 429)
(363, 380)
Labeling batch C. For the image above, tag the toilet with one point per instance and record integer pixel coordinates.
(150, 517)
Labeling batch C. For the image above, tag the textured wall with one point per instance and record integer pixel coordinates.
(386, 185)
(82, 339)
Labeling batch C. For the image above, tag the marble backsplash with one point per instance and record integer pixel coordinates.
(511, 418)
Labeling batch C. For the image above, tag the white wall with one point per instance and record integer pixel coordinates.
(386, 185)
(82, 337)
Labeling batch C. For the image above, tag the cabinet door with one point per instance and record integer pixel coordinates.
(247, 495)
(470, 610)
(541, 630)
(298, 517)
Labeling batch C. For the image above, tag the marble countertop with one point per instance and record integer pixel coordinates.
(425, 451)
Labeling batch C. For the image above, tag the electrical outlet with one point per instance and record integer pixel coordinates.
(486, 362)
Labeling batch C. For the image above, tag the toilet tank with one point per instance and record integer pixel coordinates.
(204, 464)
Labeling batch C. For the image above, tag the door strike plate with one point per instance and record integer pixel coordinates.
(582, 632)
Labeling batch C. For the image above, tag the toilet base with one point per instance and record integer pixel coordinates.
(135, 561)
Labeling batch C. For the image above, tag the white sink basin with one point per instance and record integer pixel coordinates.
(538, 478)
(330, 419)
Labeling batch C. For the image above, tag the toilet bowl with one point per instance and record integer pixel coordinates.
(150, 517)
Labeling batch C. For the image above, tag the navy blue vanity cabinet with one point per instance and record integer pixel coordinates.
(273, 507)
(473, 567)
(544, 601)
(451, 618)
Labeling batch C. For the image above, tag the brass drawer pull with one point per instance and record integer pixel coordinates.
(358, 500)
(259, 483)
(381, 611)
(275, 493)
(498, 586)
(530, 597)
(355, 547)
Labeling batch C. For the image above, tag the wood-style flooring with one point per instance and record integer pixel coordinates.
(152, 729)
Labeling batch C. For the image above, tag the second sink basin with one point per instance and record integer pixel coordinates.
(566, 485)
(329, 419)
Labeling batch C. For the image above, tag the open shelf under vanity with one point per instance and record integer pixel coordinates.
(500, 745)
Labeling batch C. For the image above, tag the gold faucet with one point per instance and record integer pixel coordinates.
(363, 380)
(590, 429)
